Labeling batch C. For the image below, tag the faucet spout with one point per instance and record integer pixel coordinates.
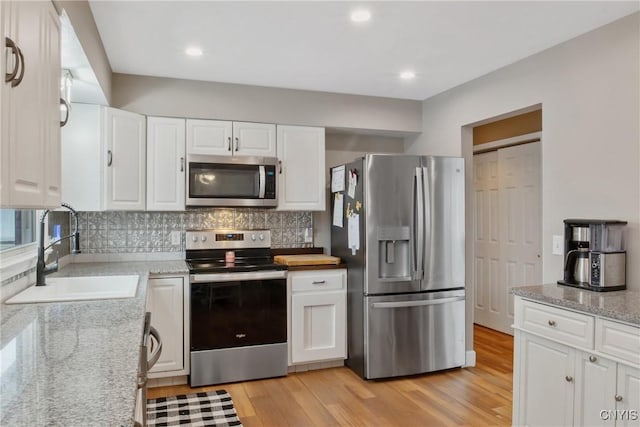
(42, 269)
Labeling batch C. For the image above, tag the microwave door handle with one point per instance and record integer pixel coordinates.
(263, 178)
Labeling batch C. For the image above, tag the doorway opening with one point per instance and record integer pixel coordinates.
(504, 218)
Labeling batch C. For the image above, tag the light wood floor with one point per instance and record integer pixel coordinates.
(331, 397)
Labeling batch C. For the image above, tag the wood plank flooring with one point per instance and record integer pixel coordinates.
(337, 397)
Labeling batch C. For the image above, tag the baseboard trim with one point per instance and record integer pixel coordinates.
(470, 359)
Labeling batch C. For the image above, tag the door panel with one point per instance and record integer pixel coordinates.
(508, 230)
(487, 238)
(521, 220)
(410, 334)
(391, 233)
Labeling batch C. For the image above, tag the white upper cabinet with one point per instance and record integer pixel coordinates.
(103, 159)
(301, 182)
(165, 164)
(209, 137)
(126, 156)
(254, 139)
(30, 114)
(224, 138)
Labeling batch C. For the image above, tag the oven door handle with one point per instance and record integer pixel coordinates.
(237, 277)
(263, 181)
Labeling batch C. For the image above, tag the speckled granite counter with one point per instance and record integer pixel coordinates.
(618, 305)
(75, 363)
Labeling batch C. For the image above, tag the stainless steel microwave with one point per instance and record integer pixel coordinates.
(231, 181)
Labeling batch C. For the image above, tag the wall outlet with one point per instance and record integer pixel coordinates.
(558, 245)
(308, 235)
(176, 238)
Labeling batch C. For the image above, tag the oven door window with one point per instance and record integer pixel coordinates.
(224, 181)
(237, 314)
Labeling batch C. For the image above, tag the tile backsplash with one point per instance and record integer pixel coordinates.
(124, 231)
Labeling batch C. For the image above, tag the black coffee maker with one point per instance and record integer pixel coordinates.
(582, 239)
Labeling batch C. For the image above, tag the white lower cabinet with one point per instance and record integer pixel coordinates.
(546, 396)
(318, 313)
(561, 383)
(168, 303)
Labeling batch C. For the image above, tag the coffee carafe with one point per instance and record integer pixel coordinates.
(577, 260)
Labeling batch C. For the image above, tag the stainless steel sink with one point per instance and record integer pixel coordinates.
(79, 289)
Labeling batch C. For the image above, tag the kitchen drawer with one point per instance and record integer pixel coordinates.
(321, 280)
(558, 324)
(619, 340)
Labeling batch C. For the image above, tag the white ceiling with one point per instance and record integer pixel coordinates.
(315, 46)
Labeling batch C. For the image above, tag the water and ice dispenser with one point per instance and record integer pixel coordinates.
(394, 254)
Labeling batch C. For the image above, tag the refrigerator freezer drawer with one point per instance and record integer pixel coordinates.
(414, 333)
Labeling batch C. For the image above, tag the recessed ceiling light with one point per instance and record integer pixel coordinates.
(360, 15)
(407, 75)
(193, 51)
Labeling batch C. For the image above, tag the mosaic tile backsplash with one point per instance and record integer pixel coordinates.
(124, 231)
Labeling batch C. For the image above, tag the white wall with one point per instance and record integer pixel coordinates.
(341, 149)
(589, 88)
(158, 96)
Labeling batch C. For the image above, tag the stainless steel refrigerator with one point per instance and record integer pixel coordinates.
(406, 279)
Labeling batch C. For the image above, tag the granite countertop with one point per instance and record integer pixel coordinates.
(75, 363)
(617, 305)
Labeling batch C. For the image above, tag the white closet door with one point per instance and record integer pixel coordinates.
(488, 306)
(518, 219)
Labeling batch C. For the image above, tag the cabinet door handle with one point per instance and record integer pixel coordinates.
(67, 109)
(181, 164)
(569, 378)
(592, 359)
(228, 143)
(318, 282)
(109, 158)
(17, 81)
(237, 143)
(280, 165)
(552, 323)
(618, 398)
(14, 51)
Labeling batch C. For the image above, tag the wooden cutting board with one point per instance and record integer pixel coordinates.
(308, 259)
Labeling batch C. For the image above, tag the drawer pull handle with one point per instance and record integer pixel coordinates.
(318, 282)
(592, 359)
(552, 323)
(618, 398)
(569, 378)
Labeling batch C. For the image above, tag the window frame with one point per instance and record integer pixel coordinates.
(17, 260)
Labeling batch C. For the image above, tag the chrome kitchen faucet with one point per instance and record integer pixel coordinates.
(42, 269)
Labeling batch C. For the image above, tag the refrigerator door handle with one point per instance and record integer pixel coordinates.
(426, 243)
(404, 304)
(418, 224)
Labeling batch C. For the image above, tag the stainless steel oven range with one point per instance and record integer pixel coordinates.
(238, 307)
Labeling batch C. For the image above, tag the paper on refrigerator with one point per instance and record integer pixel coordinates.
(338, 210)
(353, 231)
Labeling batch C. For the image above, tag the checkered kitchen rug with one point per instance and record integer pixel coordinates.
(213, 408)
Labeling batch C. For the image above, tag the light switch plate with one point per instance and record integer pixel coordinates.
(558, 245)
(175, 238)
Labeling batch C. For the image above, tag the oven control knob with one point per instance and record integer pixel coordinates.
(253, 237)
(203, 238)
(261, 237)
(194, 238)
